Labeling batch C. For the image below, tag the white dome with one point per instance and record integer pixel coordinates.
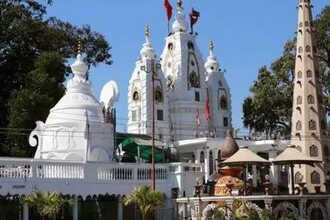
(180, 24)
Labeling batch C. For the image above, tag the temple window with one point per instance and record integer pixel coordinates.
(158, 96)
(194, 79)
(225, 121)
(315, 178)
(312, 125)
(135, 96)
(170, 46)
(309, 74)
(192, 63)
(169, 64)
(298, 126)
(299, 74)
(190, 45)
(197, 97)
(313, 151)
(306, 24)
(299, 100)
(201, 159)
(297, 177)
(308, 48)
(300, 24)
(310, 99)
(160, 115)
(300, 50)
(223, 103)
(134, 115)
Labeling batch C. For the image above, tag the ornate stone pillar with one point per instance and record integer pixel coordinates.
(198, 209)
(75, 208)
(268, 204)
(302, 208)
(229, 212)
(255, 177)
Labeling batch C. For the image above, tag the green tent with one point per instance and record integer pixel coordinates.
(142, 144)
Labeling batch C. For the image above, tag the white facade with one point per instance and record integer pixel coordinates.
(183, 82)
(140, 96)
(75, 129)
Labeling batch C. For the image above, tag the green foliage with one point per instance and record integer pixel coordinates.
(269, 108)
(47, 204)
(26, 35)
(146, 199)
(266, 214)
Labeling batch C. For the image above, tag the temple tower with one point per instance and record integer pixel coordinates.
(308, 124)
(183, 68)
(140, 96)
(219, 96)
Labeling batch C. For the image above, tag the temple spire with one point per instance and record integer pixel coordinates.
(211, 64)
(307, 112)
(147, 49)
(180, 24)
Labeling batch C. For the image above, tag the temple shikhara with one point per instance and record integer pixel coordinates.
(179, 117)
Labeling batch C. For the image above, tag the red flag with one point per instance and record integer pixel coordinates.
(168, 8)
(207, 107)
(193, 16)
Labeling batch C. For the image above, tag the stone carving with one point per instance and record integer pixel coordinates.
(298, 126)
(299, 100)
(194, 79)
(314, 206)
(315, 178)
(310, 99)
(286, 207)
(313, 151)
(312, 125)
(309, 74)
(299, 74)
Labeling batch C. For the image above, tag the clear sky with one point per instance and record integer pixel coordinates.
(246, 34)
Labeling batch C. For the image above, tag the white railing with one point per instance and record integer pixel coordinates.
(15, 168)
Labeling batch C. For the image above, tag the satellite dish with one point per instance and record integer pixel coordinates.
(109, 94)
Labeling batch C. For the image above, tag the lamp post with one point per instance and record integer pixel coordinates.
(153, 71)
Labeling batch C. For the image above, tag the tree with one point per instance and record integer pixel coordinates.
(146, 199)
(48, 205)
(25, 37)
(269, 108)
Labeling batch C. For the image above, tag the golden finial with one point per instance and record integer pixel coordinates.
(211, 45)
(79, 47)
(147, 31)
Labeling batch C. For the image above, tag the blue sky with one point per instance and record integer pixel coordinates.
(246, 34)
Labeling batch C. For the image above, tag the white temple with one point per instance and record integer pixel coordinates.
(77, 147)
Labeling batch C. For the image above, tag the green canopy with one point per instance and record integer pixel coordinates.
(134, 144)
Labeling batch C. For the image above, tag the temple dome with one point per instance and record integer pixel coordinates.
(229, 146)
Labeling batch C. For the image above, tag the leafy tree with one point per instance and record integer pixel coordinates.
(146, 199)
(48, 205)
(269, 108)
(25, 37)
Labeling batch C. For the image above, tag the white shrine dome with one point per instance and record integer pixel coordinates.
(180, 24)
(77, 100)
(211, 65)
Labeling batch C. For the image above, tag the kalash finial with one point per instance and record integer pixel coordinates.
(211, 45)
(147, 31)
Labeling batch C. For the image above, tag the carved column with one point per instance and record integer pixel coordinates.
(230, 215)
(198, 208)
(302, 208)
(268, 204)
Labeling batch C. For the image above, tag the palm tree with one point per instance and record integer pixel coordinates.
(146, 199)
(48, 205)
